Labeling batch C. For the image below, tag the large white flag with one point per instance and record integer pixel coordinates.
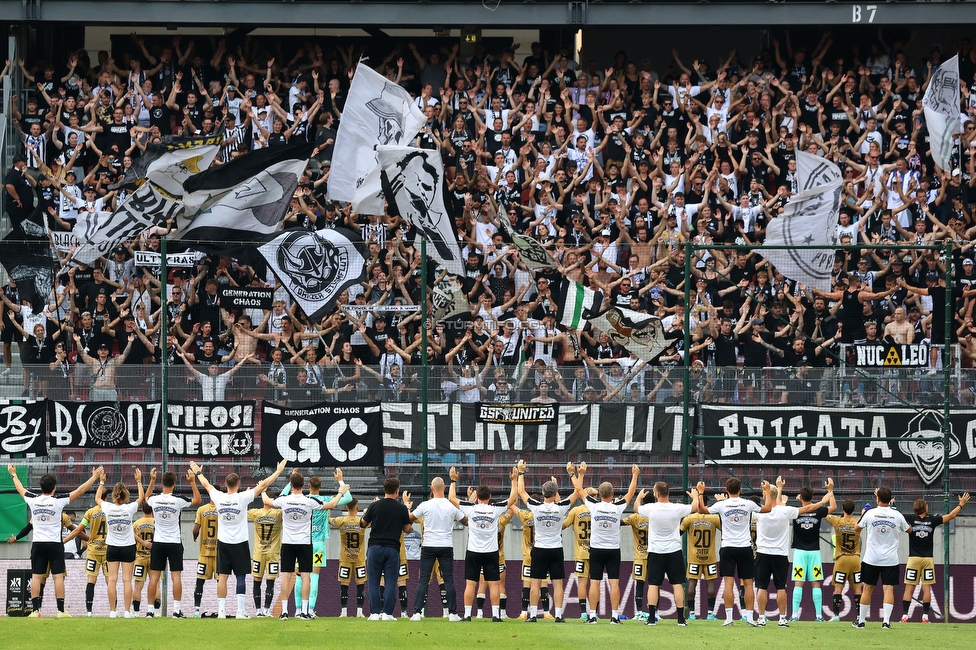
(413, 182)
(377, 112)
(809, 219)
(941, 106)
(640, 334)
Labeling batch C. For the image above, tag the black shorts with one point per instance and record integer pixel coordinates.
(670, 564)
(296, 553)
(233, 558)
(121, 553)
(776, 567)
(475, 563)
(733, 560)
(604, 560)
(870, 574)
(47, 555)
(163, 552)
(10, 334)
(547, 562)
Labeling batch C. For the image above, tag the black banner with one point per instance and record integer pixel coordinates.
(892, 355)
(22, 428)
(111, 425)
(324, 435)
(210, 430)
(246, 297)
(602, 428)
(786, 436)
(517, 413)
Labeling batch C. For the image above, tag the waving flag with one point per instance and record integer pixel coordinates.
(575, 304)
(169, 163)
(25, 253)
(640, 334)
(531, 252)
(941, 106)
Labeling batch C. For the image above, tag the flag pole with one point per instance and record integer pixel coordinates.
(163, 379)
(424, 370)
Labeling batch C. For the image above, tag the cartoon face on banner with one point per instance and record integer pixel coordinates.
(923, 442)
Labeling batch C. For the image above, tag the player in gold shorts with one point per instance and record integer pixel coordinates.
(638, 525)
(205, 529)
(847, 556)
(579, 520)
(144, 530)
(701, 530)
(94, 522)
(266, 558)
(352, 558)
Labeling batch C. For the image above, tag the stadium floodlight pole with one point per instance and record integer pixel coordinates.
(424, 369)
(946, 412)
(163, 381)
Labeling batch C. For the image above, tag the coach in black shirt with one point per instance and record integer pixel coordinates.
(388, 519)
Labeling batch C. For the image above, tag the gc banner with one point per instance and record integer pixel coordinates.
(105, 424)
(618, 428)
(323, 435)
(783, 436)
(22, 428)
(210, 430)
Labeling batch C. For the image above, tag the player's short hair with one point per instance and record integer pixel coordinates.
(549, 489)
(484, 492)
(806, 493)
(120, 493)
(920, 506)
(147, 509)
(606, 490)
(232, 480)
(437, 483)
(315, 482)
(773, 493)
(884, 495)
(661, 489)
(848, 506)
(169, 479)
(297, 481)
(48, 483)
(391, 485)
(353, 506)
(733, 485)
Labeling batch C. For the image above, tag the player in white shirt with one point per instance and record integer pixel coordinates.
(605, 515)
(547, 547)
(167, 544)
(296, 540)
(884, 526)
(664, 554)
(735, 554)
(47, 549)
(233, 553)
(120, 540)
(481, 557)
(439, 516)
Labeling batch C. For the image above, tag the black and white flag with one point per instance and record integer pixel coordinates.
(315, 266)
(449, 299)
(26, 254)
(640, 334)
(169, 163)
(531, 252)
(413, 182)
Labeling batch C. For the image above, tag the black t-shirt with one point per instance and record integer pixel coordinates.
(386, 519)
(806, 530)
(920, 539)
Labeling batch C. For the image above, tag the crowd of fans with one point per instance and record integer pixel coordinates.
(613, 167)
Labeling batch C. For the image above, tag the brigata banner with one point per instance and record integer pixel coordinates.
(325, 435)
(787, 436)
(880, 354)
(111, 425)
(604, 428)
(22, 428)
(246, 297)
(211, 430)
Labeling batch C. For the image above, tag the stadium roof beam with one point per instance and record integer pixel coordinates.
(508, 13)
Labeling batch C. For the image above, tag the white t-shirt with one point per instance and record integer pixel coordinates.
(883, 527)
(439, 517)
(231, 515)
(605, 519)
(549, 522)
(296, 517)
(46, 512)
(736, 514)
(166, 511)
(773, 530)
(664, 525)
(119, 522)
(483, 524)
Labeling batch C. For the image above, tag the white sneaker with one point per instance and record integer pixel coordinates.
(221, 615)
(343, 614)
(416, 618)
(113, 614)
(128, 615)
(446, 614)
(374, 617)
(241, 615)
(388, 617)
(454, 618)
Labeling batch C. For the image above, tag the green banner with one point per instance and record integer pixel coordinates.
(13, 509)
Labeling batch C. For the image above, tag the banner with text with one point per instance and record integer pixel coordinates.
(325, 435)
(892, 355)
(110, 425)
(246, 297)
(149, 258)
(22, 428)
(784, 436)
(210, 430)
(616, 428)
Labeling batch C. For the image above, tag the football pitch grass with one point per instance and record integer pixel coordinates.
(347, 634)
